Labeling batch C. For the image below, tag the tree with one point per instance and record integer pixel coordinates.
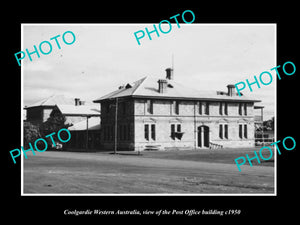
(54, 123)
(31, 133)
(269, 124)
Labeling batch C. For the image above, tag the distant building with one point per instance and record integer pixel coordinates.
(75, 112)
(39, 112)
(162, 114)
(84, 124)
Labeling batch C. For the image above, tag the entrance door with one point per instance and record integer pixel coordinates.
(203, 136)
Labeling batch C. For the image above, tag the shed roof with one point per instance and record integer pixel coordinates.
(81, 110)
(93, 124)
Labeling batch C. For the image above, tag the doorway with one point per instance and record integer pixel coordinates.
(203, 136)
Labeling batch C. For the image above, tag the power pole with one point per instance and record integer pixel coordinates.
(87, 133)
(116, 127)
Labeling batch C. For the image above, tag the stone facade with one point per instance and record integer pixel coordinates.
(169, 123)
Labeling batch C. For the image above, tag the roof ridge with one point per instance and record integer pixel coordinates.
(139, 84)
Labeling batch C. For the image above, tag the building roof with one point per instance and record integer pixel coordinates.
(52, 101)
(93, 124)
(80, 110)
(148, 87)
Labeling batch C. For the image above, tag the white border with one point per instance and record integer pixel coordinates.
(146, 194)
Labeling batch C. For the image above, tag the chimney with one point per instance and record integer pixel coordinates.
(77, 101)
(231, 90)
(162, 86)
(169, 75)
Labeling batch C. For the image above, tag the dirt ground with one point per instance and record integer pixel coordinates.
(54, 172)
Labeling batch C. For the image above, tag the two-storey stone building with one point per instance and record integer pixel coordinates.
(161, 113)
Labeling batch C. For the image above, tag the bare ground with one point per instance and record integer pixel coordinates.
(103, 173)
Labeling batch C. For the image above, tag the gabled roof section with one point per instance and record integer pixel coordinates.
(124, 90)
(148, 87)
(52, 101)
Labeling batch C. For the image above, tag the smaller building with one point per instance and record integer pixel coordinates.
(38, 112)
(85, 134)
(84, 125)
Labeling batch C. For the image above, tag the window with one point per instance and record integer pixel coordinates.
(176, 107)
(206, 108)
(223, 108)
(150, 106)
(146, 132)
(245, 131)
(176, 131)
(199, 108)
(240, 130)
(226, 131)
(240, 108)
(153, 132)
(178, 127)
(243, 134)
(226, 108)
(173, 131)
(223, 131)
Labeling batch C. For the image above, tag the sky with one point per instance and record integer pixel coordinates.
(105, 56)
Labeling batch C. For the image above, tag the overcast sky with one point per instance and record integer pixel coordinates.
(105, 56)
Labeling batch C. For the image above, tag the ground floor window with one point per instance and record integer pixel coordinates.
(150, 132)
(243, 131)
(223, 131)
(175, 131)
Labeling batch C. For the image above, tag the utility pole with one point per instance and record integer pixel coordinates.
(87, 133)
(116, 127)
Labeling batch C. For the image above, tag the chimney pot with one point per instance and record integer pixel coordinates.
(169, 74)
(231, 90)
(162, 85)
(77, 101)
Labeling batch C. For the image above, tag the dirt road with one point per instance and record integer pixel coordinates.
(99, 173)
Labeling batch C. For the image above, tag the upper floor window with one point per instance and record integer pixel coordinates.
(199, 104)
(149, 106)
(206, 108)
(243, 107)
(175, 106)
(223, 108)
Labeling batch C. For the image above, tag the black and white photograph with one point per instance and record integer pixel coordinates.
(163, 117)
(149, 112)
